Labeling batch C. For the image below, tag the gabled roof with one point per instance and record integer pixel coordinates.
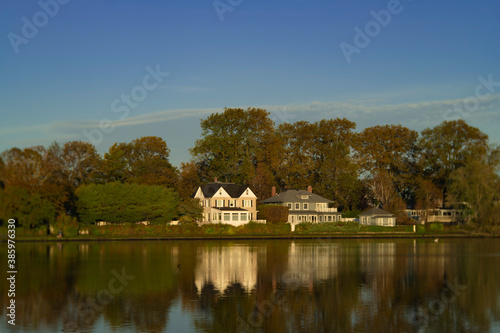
(293, 195)
(235, 191)
(376, 211)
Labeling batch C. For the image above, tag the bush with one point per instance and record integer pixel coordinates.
(435, 226)
(273, 214)
(68, 225)
(420, 228)
(311, 228)
(253, 228)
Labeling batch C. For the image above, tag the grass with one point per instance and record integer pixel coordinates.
(252, 229)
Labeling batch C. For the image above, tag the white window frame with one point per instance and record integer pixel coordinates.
(305, 206)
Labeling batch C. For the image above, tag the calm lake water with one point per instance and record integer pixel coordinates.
(263, 286)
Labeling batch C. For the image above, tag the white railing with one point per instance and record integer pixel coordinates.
(326, 210)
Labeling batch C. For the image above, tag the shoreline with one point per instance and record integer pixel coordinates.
(365, 235)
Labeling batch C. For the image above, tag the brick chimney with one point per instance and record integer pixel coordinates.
(273, 191)
(215, 179)
(309, 189)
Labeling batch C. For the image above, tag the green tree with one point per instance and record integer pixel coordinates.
(233, 143)
(142, 161)
(29, 209)
(119, 202)
(448, 147)
(477, 184)
(319, 154)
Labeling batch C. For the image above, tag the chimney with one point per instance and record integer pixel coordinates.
(215, 179)
(273, 191)
(309, 189)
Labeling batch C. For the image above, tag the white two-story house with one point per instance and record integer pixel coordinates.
(227, 203)
(304, 206)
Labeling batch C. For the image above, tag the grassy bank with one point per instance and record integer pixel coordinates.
(250, 230)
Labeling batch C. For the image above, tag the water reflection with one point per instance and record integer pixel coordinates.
(269, 286)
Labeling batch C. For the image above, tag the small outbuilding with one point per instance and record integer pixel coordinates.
(377, 216)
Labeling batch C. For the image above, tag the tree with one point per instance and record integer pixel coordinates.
(118, 202)
(37, 170)
(319, 154)
(448, 147)
(387, 155)
(189, 179)
(233, 143)
(29, 209)
(427, 196)
(143, 161)
(81, 163)
(477, 184)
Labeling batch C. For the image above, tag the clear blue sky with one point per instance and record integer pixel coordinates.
(285, 56)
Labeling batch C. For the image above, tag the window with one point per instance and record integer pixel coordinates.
(207, 203)
(227, 217)
(306, 206)
(289, 205)
(235, 217)
(214, 216)
(219, 203)
(321, 205)
(299, 218)
(297, 206)
(304, 197)
(243, 217)
(329, 218)
(321, 218)
(247, 203)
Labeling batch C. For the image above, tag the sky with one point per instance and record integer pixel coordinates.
(108, 71)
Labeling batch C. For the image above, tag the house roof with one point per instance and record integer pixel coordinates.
(376, 211)
(294, 195)
(235, 191)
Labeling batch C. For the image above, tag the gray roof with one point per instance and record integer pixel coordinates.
(235, 191)
(377, 212)
(293, 195)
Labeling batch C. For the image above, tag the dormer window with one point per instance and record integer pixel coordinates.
(304, 197)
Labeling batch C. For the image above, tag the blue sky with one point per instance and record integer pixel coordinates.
(412, 67)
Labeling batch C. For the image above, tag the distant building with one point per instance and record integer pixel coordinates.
(304, 206)
(377, 216)
(227, 203)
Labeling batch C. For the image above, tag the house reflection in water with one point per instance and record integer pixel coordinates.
(226, 265)
(308, 263)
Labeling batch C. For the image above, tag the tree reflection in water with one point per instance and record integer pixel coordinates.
(268, 286)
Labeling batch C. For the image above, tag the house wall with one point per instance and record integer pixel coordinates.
(378, 220)
(248, 203)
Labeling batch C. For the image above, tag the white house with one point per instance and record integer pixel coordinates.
(227, 203)
(377, 216)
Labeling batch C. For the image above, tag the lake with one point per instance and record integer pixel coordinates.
(391, 285)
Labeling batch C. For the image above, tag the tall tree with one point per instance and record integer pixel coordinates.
(143, 161)
(319, 154)
(477, 184)
(387, 155)
(448, 147)
(233, 143)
